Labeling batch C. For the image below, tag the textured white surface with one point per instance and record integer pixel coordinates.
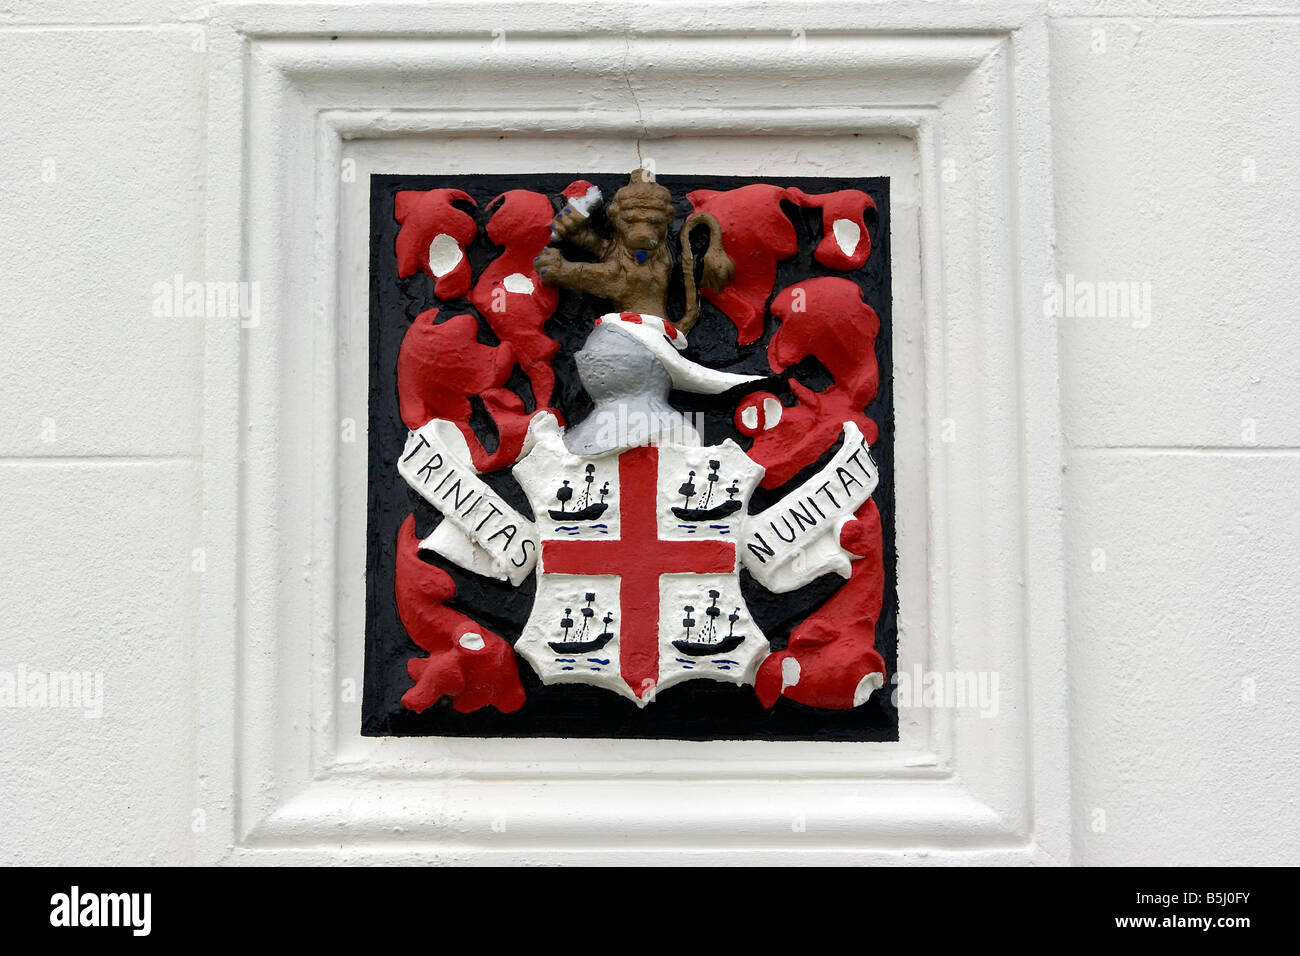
(1183, 662)
(1175, 163)
(100, 428)
(102, 199)
(97, 566)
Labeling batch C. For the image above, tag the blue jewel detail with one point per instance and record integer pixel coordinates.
(641, 255)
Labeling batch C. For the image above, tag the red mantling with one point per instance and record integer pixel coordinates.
(441, 365)
(510, 294)
(467, 662)
(757, 234)
(425, 216)
(826, 319)
(831, 660)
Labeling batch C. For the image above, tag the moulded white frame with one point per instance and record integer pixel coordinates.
(298, 89)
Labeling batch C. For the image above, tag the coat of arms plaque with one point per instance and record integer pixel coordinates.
(630, 458)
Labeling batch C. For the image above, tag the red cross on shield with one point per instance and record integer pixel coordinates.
(638, 557)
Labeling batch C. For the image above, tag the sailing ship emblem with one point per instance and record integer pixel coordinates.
(709, 639)
(582, 642)
(586, 509)
(705, 509)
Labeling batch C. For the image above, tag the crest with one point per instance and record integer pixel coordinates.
(632, 480)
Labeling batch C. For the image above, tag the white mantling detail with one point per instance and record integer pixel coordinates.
(847, 235)
(444, 254)
(519, 283)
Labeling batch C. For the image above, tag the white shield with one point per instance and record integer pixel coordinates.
(638, 582)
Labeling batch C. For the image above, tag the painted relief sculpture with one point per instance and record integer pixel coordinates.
(643, 538)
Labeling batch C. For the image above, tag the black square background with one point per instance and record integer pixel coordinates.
(693, 710)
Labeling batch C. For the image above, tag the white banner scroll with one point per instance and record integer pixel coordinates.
(481, 533)
(797, 539)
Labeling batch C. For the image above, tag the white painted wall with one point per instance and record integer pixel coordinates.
(1175, 130)
(1176, 163)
